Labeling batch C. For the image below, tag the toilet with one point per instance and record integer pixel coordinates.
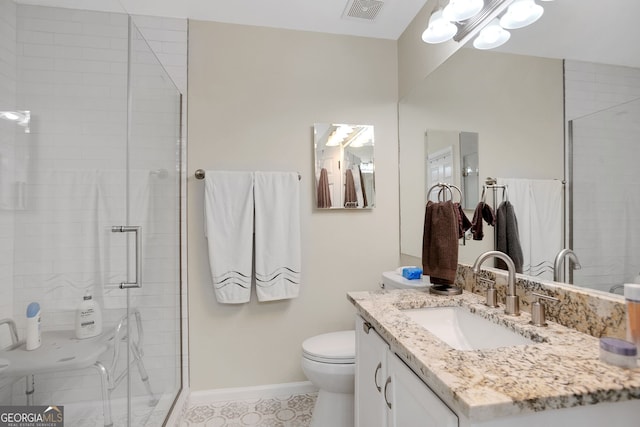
(328, 361)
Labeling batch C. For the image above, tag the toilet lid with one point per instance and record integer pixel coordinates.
(334, 347)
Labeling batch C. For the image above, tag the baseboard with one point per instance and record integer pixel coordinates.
(202, 397)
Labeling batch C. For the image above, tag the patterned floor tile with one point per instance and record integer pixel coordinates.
(290, 411)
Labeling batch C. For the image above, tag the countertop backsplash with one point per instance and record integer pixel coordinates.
(592, 312)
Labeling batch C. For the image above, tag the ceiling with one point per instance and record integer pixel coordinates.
(325, 16)
(588, 30)
(583, 30)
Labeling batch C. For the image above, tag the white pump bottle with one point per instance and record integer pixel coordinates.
(88, 318)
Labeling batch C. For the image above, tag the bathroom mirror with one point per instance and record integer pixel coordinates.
(481, 92)
(452, 157)
(344, 166)
(515, 101)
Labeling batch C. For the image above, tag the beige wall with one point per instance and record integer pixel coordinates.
(514, 102)
(254, 94)
(417, 59)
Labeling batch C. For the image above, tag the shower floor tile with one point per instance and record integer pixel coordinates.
(289, 411)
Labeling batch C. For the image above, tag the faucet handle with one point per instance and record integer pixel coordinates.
(537, 309)
(492, 295)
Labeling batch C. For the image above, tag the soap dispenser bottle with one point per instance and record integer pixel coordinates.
(33, 339)
(88, 318)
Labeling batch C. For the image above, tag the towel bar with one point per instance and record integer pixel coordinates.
(199, 174)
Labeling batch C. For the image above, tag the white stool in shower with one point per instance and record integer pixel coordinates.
(61, 351)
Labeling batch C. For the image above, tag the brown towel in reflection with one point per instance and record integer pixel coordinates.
(483, 211)
(463, 222)
(365, 203)
(440, 242)
(324, 195)
(508, 236)
(350, 198)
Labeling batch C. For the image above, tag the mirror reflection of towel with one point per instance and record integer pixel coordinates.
(350, 197)
(324, 194)
(463, 222)
(508, 236)
(365, 202)
(483, 211)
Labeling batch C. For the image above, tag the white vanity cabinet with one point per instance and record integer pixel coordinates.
(371, 374)
(388, 392)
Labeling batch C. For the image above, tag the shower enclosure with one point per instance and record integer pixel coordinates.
(605, 201)
(90, 178)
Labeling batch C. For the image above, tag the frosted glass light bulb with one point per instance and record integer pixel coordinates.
(459, 10)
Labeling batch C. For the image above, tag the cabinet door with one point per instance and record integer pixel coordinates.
(412, 403)
(371, 372)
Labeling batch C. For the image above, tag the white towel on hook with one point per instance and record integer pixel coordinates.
(277, 235)
(228, 213)
(356, 180)
(538, 206)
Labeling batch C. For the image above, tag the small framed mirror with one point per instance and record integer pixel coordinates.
(344, 166)
(452, 157)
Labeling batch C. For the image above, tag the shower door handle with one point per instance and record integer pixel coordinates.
(138, 231)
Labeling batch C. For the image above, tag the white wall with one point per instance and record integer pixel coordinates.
(514, 103)
(255, 94)
(417, 59)
(605, 154)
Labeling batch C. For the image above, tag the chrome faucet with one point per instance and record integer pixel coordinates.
(557, 265)
(512, 300)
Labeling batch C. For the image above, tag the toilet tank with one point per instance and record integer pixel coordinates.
(395, 280)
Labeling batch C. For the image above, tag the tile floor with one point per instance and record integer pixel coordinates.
(288, 411)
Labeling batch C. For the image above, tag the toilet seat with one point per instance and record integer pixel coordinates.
(332, 348)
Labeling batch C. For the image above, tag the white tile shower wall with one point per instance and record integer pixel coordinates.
(609, 256)
(7, 147)
(73, 65)
(591, 87)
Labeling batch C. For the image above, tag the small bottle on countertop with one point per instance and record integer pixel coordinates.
(88, 318)
(34, 335)
(632, 298)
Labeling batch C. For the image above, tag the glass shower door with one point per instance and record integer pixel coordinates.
(153, 208)
(101, 149)
(604, 199)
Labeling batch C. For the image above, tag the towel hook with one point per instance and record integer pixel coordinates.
(459, 192)
(442, 195)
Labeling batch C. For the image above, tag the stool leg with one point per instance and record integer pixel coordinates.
(144, 376)
(106, 394)
(30, 389)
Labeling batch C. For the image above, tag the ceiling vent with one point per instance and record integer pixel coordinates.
(363, 9)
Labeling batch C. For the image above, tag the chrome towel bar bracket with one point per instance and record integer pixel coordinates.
(200, 173)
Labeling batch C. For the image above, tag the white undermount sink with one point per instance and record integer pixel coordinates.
(464, 330)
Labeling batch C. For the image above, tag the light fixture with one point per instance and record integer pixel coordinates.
(362, 137)
(520, 14)
(459, 10)
(461, 20)
(439, 30)
(491, 36)
(21, 117)
(338, 135)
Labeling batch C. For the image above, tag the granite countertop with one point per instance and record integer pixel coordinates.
(560, 370)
